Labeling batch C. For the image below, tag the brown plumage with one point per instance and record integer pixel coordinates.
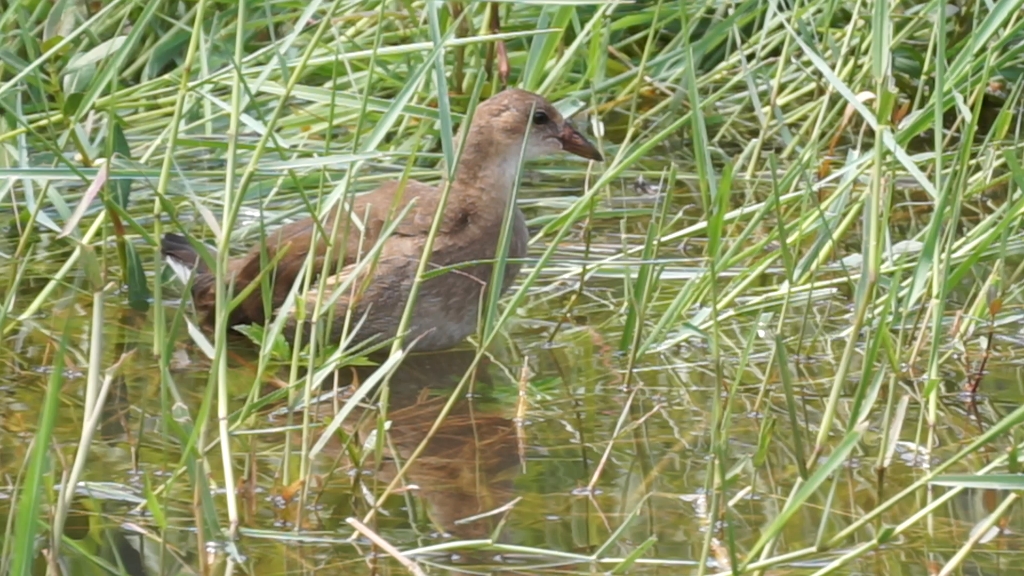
(447, 305)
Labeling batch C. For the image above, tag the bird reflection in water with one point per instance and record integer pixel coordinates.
(466, 471)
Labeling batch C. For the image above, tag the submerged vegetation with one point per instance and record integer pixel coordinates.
(776, 329)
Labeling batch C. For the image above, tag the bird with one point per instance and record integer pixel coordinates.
(511, 125)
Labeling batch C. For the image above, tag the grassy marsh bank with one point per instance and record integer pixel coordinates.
(740, 344)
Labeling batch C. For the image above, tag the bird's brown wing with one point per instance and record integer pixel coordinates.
(355, 232)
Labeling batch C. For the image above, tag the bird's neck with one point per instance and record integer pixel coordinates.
(487, 165)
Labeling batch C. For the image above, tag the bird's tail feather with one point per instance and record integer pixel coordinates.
(182, 257)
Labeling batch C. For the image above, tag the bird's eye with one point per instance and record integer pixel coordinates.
(540, 117)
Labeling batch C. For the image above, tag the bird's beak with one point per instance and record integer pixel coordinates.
(574, 142)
